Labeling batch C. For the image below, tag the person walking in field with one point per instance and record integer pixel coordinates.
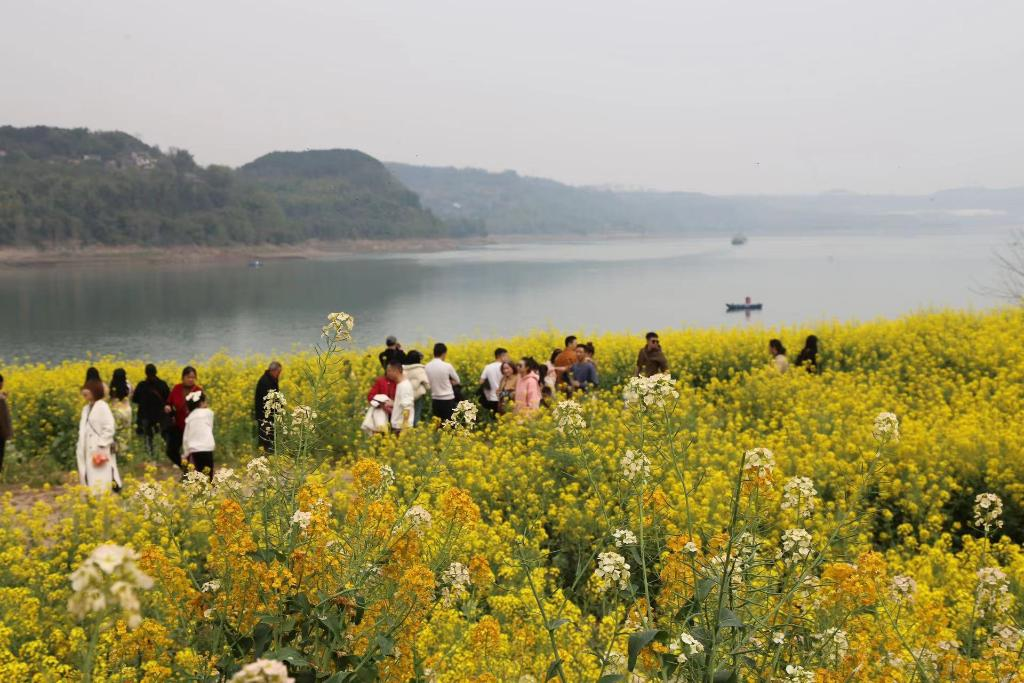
(6, 427)
(97, 463)
(197, 440)
(269, 381)
(490, 380)
(563, 363)
(151, 396)
(584, 372)
(507, 388)
(778, 353)
(528, 393)
(444, 384)
(392, 351)
(403, 410)
(651, 360)
(808, 356)
(121, 407)
(178, 410)
(416, 373)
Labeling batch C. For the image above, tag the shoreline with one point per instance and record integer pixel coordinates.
(310, 250)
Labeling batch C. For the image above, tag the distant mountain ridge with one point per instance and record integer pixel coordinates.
(68, 187)
(508, 203)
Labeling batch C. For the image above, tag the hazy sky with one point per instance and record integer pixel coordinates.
(755, 96)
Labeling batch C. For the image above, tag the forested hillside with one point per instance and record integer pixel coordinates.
(71, 187)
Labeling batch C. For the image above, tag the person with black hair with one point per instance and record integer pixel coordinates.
(528, 392)
(121, 407)
(6, 428)
(403, 407)
(416, 373)
(584, 372)
(151, 397)
(269, 381)
(197, 440)
(651, 360)
(490, 380)
(444, 384)
(564, 361)
(392, 351)
(778, 354)
(97, 463)
(808, 357)
(178, 410)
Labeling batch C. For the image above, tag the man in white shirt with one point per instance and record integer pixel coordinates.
(404, 401)
(443, 383)
(490, 379)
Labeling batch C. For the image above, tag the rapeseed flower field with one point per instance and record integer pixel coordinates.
(724, 523)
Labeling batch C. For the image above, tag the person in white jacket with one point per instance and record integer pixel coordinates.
(403, 410)
(197, 441)
(417, 376)
(97, 464)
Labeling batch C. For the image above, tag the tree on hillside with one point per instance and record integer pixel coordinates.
(1011, 266)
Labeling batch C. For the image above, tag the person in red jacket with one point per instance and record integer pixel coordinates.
(176, 406)
(383, 385)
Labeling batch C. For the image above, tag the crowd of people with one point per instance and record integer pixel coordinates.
(399, 399)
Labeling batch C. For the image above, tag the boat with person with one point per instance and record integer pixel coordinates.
(747, 305)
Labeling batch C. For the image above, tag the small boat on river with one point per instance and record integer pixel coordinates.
(738, 240)
(255, 263)
(747, 305)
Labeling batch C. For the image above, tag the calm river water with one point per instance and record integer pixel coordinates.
(177, 312)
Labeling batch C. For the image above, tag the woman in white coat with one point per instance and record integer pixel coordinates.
(97, 464)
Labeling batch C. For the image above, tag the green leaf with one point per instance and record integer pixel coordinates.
(725, 676)
(261, 635)
(290, 655)
(386, 645)
(266, 555)
(553, 670)
(638, 641)
(704, 587)
(611, 678)
(555, 623)
(728, 619)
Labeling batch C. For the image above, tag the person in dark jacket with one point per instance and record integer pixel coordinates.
(392, 352)
(151, 397)
(264, 422)
(6, 429)
(177, 408)
(808, 357)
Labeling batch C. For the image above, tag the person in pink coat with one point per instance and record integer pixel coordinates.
(528, 388)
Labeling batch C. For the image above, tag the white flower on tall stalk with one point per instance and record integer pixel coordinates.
(338, 328)
(387, 477)
(302, 519)
(612, 571)
(304, 418)
(779, 637)
(456, 582)
(109, 577)
(796, 545)
(263, 671)
(988, 508)
(463, 417)
(196, 484)
(644, 393)
(274, 403)
(798, 674)
(1006, 636)
(636, 467)
(758, 463)
(151, 500)
(992, 594)
(624, 537)
(210, 586)
(887, 428)
(569, 418)
(799, 494)
(258, 469)
(685, 646)
(418, 517)
(835, 642)
(904, 587)
(224, 476)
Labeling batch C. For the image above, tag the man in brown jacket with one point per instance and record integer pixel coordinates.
(651, 359)
(6, 429)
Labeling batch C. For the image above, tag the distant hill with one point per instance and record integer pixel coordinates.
(342, 193)
(508, 203)
(69, 187)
